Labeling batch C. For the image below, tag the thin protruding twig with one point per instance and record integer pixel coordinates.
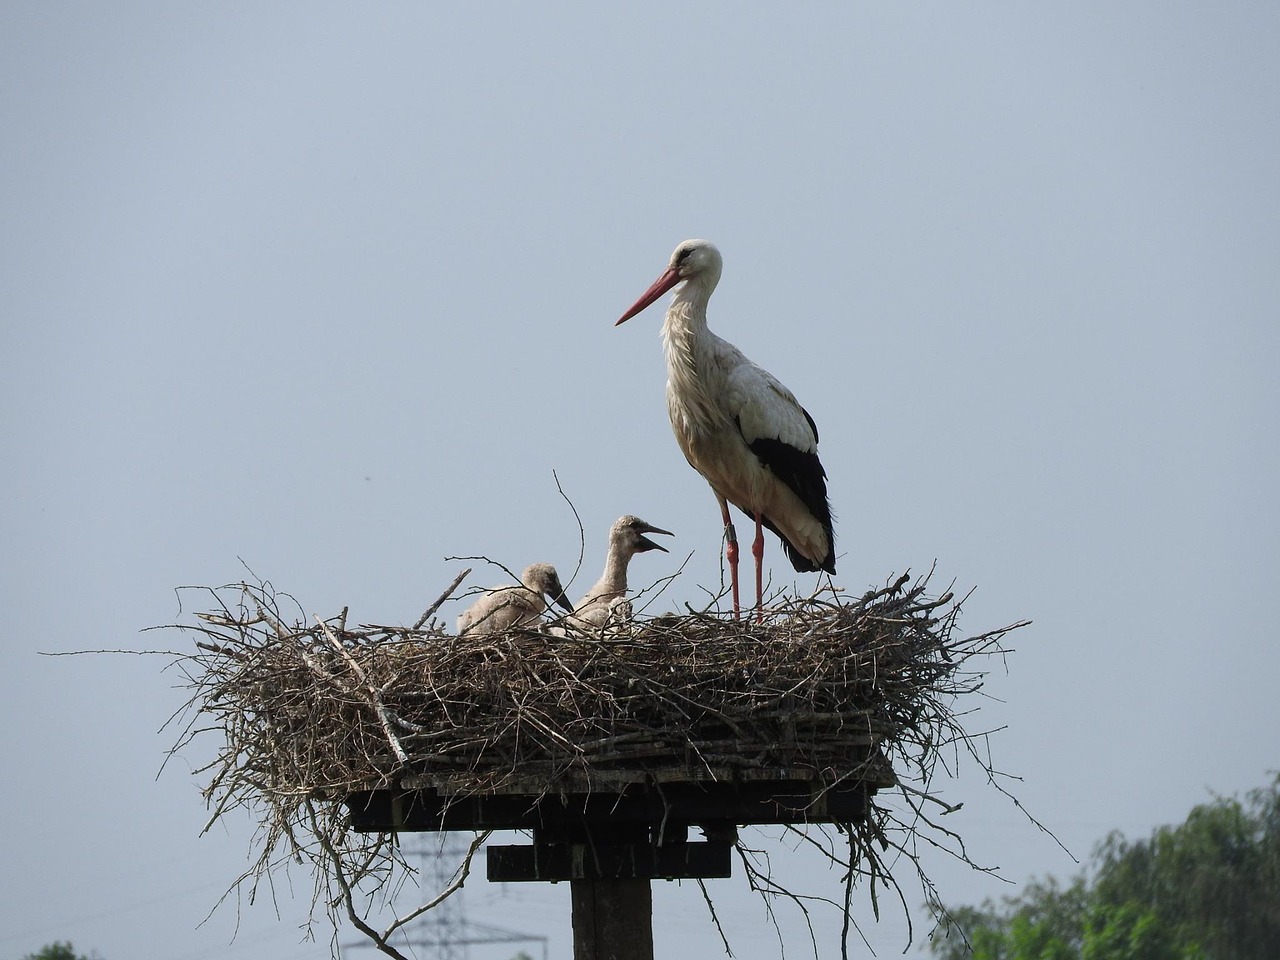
(460, 877)
(448, 592)
(711, 908)
(582, 533)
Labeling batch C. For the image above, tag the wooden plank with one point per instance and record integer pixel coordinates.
(608, 861)
(751, 802)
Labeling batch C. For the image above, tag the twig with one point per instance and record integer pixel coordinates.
(460, 877)
(374, 699)
(711, 908)
(448, 591)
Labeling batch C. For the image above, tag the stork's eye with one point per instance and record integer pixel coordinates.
(683, 255)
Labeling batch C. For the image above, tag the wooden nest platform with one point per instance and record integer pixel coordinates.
(338, 737)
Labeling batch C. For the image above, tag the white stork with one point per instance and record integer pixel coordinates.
(739, 427)
(506, 607)
(626, 539)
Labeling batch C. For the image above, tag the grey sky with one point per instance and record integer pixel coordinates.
(330, 288)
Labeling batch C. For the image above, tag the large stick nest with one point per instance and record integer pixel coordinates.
(829, 688)
(322, 709)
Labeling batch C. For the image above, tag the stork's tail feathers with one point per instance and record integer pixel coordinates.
(801, 562)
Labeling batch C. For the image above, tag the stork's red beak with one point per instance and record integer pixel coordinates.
(660, 286)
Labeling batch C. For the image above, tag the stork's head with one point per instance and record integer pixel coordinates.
(542, 578)
(696, 258)
(628, 532)
(697, 261)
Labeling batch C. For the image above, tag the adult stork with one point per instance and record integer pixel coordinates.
(626, 539)
(739, 427)
(505, 607)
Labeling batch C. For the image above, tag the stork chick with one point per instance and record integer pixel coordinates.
(504, 607)
(626, 539)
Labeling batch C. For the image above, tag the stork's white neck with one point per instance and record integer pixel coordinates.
(689, 347)
(693, 295)
(613, 582)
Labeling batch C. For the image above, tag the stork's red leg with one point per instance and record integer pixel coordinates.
(730, 552)
(757, 551)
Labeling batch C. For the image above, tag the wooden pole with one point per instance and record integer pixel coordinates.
(612, 919)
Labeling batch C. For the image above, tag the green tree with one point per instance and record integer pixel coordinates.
(55, 951)
(1214, 881)
(1130, 933)
(1046, 922)
(1208, 889)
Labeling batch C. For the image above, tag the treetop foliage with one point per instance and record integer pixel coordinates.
(1207, 889)
(55, 951)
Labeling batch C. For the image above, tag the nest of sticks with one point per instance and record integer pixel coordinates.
(830, 687)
